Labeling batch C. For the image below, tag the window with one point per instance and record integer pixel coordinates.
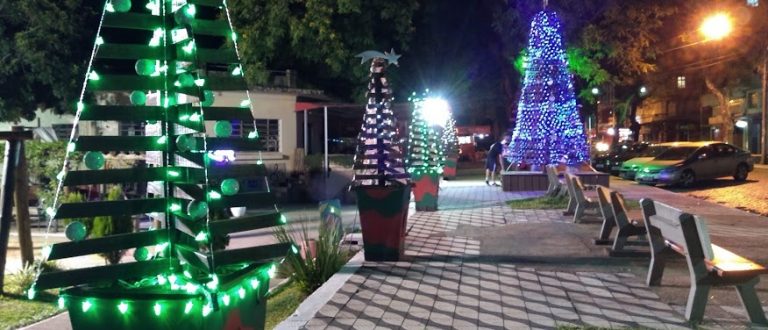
(132, 129)
(63, 131)
(680, 82)
(269, 132)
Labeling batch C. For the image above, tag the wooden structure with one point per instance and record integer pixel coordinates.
(555, 186)
(15, 180)
(523, 181)
(183, 276)
(670, 229)
(614, 211)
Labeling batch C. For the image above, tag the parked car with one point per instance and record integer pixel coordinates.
(630, 167)
(687, 162)
(611, 161)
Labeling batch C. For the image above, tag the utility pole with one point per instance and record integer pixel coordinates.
(764, 105)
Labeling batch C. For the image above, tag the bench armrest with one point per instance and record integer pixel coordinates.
(727, 263)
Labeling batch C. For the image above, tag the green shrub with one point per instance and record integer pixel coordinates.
(310, 273)
(111, 225)
(314, 162)
(342, 160)
(75, 197)
(45, 160)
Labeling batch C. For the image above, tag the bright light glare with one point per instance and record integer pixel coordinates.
(716, 27)
(611, 131)
(436, 111)
(742, 123)
(601, 146)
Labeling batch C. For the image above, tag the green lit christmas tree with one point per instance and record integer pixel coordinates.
(425, 152)
(450, 148)
(171, 57)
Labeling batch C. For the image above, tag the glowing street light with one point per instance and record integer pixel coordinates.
(436, 111)
(595, 91)
(716, 27)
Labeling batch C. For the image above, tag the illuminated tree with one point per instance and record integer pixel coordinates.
(169, 56)
(548, 128)
(425, 152)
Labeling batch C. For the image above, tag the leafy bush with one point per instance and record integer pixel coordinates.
(111, 225)
(311, 272)
(342, 160)
(75, 197)
(313, 163)
(45, 160)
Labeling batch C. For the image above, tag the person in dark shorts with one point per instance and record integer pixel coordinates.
(493, 161)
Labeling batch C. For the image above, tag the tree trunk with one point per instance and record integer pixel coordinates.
(632, 104)
(726, 127)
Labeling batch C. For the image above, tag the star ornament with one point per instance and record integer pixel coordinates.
(391, 57)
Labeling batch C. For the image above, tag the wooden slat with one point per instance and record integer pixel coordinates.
(205, 55)
(123, 207)
(105, 244)
(227, 113)
(109, 273)
(211, 28)
(122, 113)
(129, 52)
(132, 21)
(119, 143)
(77, 178)
(209, 3)
(222, 227)
(258, 253)
(225, 83)
(194, 258)
(236, 171)
(113, 82)
(243, 199)
(727, 263)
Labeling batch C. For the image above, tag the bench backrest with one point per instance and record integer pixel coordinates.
(576, 187)
(604, 199)
(619, 208)
(552, 177)
(683, 229)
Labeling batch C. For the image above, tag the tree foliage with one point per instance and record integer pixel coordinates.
(319, 38)
(44, 49)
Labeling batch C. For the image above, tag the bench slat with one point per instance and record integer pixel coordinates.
(727, 263)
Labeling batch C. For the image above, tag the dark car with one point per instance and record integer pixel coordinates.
(688, 162)
(611, 161)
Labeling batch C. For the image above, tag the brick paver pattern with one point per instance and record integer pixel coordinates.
(432, 291)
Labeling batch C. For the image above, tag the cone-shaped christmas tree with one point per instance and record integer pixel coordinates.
(548, 129)
(425, 156)
(381, 182)
(183, 276)
(450, 148)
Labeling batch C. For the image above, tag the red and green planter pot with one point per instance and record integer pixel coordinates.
(425, 188)
(383, 217)
(449, 168)
(240, 304)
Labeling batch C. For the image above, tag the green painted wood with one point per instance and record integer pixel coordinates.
(196, 158)
(231, 143)
(243, 199)
(123, 207)
(106, 244)
(129, 52)
(122, 113)
(132, 21)
(109, 273)
(119, 143)
(236, 171)
(209, 3)
(78, 178)
(194, 258)
(219, 113)
(113, 82)
(257, 253)
(226, 83)
(211, 28)
(253, 222)
(205, 55)
(188, 227)
(193, 191)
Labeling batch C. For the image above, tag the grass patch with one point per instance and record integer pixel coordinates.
(16, 312)
(282, 302)
(539, 203)
(554, 203)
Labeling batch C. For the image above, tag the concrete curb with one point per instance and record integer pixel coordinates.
(310, 306)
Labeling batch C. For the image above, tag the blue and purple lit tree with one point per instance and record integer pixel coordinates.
(548, 128)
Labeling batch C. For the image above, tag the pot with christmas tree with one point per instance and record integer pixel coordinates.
(381, 183)
(425, 155)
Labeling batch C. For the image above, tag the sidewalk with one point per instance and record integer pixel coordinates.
(477, 263)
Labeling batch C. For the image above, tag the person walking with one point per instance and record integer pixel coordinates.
(494, 162)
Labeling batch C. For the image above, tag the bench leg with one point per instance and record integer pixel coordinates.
(621, 239)
(571, 206)
(604, 237)
(656, 268)
(751, 302)
(578, 213)
(697, 302)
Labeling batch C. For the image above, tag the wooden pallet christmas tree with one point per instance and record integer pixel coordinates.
(425, 154)
(177, 53)
(381, 182)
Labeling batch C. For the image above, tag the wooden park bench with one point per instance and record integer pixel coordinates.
(670, 229)
(555, 187)
(578, 202)
(614, 211)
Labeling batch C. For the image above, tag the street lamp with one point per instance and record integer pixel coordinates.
(716, 26)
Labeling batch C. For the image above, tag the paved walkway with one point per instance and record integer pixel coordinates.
(477, 263)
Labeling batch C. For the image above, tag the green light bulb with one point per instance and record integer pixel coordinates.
(61, 303)
(186, 80)
(207, 99)
(188, 307)
(158, 309)
(121, 6)
(138, 98)
(229, 187)
(223, 128)
(122, 307)
(86, 305)
(145, 67)
(94, 160)
(225, 299)
(241, 293)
